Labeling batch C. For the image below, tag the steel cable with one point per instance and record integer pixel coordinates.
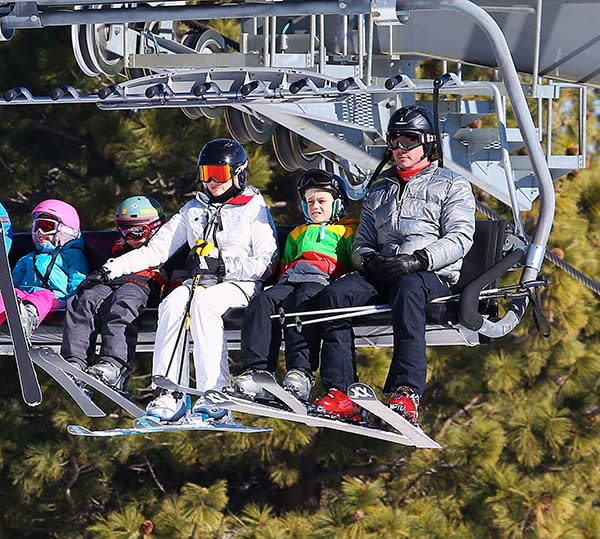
(548, 255)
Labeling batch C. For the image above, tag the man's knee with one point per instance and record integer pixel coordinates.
(337, 294)
(175, 302)
(409, 285)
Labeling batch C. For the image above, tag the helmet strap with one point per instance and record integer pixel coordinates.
(384, 161)
(223, 197)
(336, 209)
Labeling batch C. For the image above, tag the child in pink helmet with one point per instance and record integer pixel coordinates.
(46, 277)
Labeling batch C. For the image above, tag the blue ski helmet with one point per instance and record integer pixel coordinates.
(6, 227)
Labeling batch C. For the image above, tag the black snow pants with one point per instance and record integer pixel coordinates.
(261, 335)
(408, 297)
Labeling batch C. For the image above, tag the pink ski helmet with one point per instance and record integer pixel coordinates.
(68, 225)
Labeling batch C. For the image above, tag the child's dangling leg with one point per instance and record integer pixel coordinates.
(34, 307)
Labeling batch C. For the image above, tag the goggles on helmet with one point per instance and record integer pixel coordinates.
(135, 232)
(317, 179)
(45, 226)
(218, 173)
(405, 142)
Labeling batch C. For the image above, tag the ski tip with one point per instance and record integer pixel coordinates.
(361, 391)
(32, 394)
(78, 430)
(215, 397)
(32, 400)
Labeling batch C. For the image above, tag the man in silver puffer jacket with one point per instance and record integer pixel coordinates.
(417, 224)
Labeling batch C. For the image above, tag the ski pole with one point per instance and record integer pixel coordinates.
(519, 288)
(201, 248)
(373, 310)
(185, 324)
(283, 315)
(351, 312)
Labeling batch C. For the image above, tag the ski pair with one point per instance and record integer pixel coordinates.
(56, 366)
(149, 425)
(362, 394)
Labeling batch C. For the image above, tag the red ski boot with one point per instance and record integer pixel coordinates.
(335, 404)
(405, 401)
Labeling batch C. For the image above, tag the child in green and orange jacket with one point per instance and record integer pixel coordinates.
(315, 253)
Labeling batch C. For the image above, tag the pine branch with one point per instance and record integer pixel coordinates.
(593, 411)
(86, 142)
(458, 413)
(367, 469)
(151, 469)
(75, 476)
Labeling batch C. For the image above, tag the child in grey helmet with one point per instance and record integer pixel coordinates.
(112, 308)
(316, 253)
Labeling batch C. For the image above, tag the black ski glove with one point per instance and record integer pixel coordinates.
(207, 265)
(371, 264)
(387, 269)
(99, 276)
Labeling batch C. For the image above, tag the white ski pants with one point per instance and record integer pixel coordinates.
(208, 305)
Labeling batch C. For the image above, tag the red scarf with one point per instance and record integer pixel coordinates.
(406, 175)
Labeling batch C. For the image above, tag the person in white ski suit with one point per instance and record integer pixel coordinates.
(231, 219)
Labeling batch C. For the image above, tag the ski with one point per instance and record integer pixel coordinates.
(30, 387)
(268, 382)
(80, 396)
(249, 407)
(147, 425)
(191, 423)
(364, 396)
(237, 404)
(116, 396)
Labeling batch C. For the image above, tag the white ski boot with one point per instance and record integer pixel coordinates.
(209, 412)
(30, 318)
(168, 406)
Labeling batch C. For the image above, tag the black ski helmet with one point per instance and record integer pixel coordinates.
(415, 121)
(224, 151)
(317, 178)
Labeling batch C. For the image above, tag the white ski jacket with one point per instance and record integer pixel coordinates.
(435, 212)
(242, 229)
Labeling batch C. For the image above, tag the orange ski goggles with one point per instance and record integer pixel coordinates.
(217, 173)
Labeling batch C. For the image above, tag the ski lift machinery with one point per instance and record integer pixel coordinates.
(320, 79)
